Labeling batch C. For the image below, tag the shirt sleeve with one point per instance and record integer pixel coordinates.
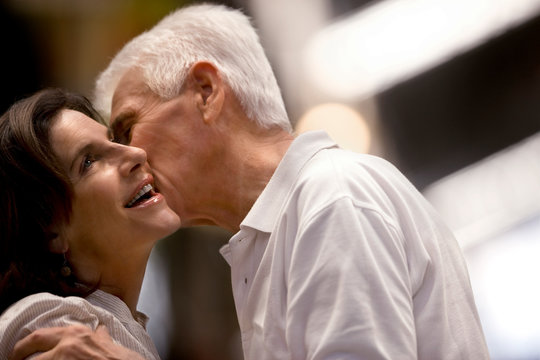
(349, 266)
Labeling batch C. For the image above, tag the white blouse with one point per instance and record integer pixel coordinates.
(99, 308)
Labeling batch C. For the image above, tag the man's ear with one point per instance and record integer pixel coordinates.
(209, 89)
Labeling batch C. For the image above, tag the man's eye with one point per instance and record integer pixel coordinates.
(123, 137)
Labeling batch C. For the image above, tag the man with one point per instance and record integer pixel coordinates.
(335, 256)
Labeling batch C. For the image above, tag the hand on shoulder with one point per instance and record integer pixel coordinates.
(71, 342)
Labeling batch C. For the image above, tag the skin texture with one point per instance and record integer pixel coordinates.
(74, 342)
(220, 159)
(208, 159)
(104, 239)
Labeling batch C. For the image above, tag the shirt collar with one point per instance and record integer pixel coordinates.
(265, 211)
(116, 306)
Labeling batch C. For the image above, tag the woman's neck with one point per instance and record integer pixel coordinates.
(126, 286)
(121, 277)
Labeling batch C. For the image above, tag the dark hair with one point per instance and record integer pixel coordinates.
(35, 195)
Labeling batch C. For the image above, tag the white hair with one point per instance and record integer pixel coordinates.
(213, 33)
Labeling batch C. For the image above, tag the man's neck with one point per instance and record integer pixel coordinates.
(261, 159)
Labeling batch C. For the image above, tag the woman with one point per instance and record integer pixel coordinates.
(79, 219)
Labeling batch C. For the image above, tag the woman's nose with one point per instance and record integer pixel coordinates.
(131, 159)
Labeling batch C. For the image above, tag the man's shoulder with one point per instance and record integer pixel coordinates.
(345, 171)
(368, 181)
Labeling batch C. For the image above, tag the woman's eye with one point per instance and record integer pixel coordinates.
(87, 162)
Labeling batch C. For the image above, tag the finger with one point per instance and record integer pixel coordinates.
(102, 331)
(49, 355)
(39, 341)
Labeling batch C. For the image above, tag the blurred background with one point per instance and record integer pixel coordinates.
(447, 90)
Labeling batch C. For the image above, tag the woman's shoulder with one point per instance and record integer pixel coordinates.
(42, 302)
(43, 310)
(32, 300)
(48, 309)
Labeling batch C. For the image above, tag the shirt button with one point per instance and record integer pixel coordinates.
(245, 280)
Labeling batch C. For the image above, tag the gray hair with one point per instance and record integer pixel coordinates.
(213, 33)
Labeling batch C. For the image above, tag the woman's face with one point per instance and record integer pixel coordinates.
(116, 213)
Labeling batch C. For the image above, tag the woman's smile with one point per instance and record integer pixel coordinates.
(115, 206)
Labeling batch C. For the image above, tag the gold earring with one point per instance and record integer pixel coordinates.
(65, 270)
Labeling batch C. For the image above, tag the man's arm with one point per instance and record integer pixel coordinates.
(71, 343)
(348, 291)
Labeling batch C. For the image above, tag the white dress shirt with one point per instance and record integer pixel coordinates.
(342, 258)
(99, 308)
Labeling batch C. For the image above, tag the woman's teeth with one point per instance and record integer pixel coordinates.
(146, 189)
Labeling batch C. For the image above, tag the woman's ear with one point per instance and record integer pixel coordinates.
(58, 243)
(208, 89)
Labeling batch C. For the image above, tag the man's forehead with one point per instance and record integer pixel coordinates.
(130, 84)
(127, 94)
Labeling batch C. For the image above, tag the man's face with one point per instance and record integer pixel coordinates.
(172, 134)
